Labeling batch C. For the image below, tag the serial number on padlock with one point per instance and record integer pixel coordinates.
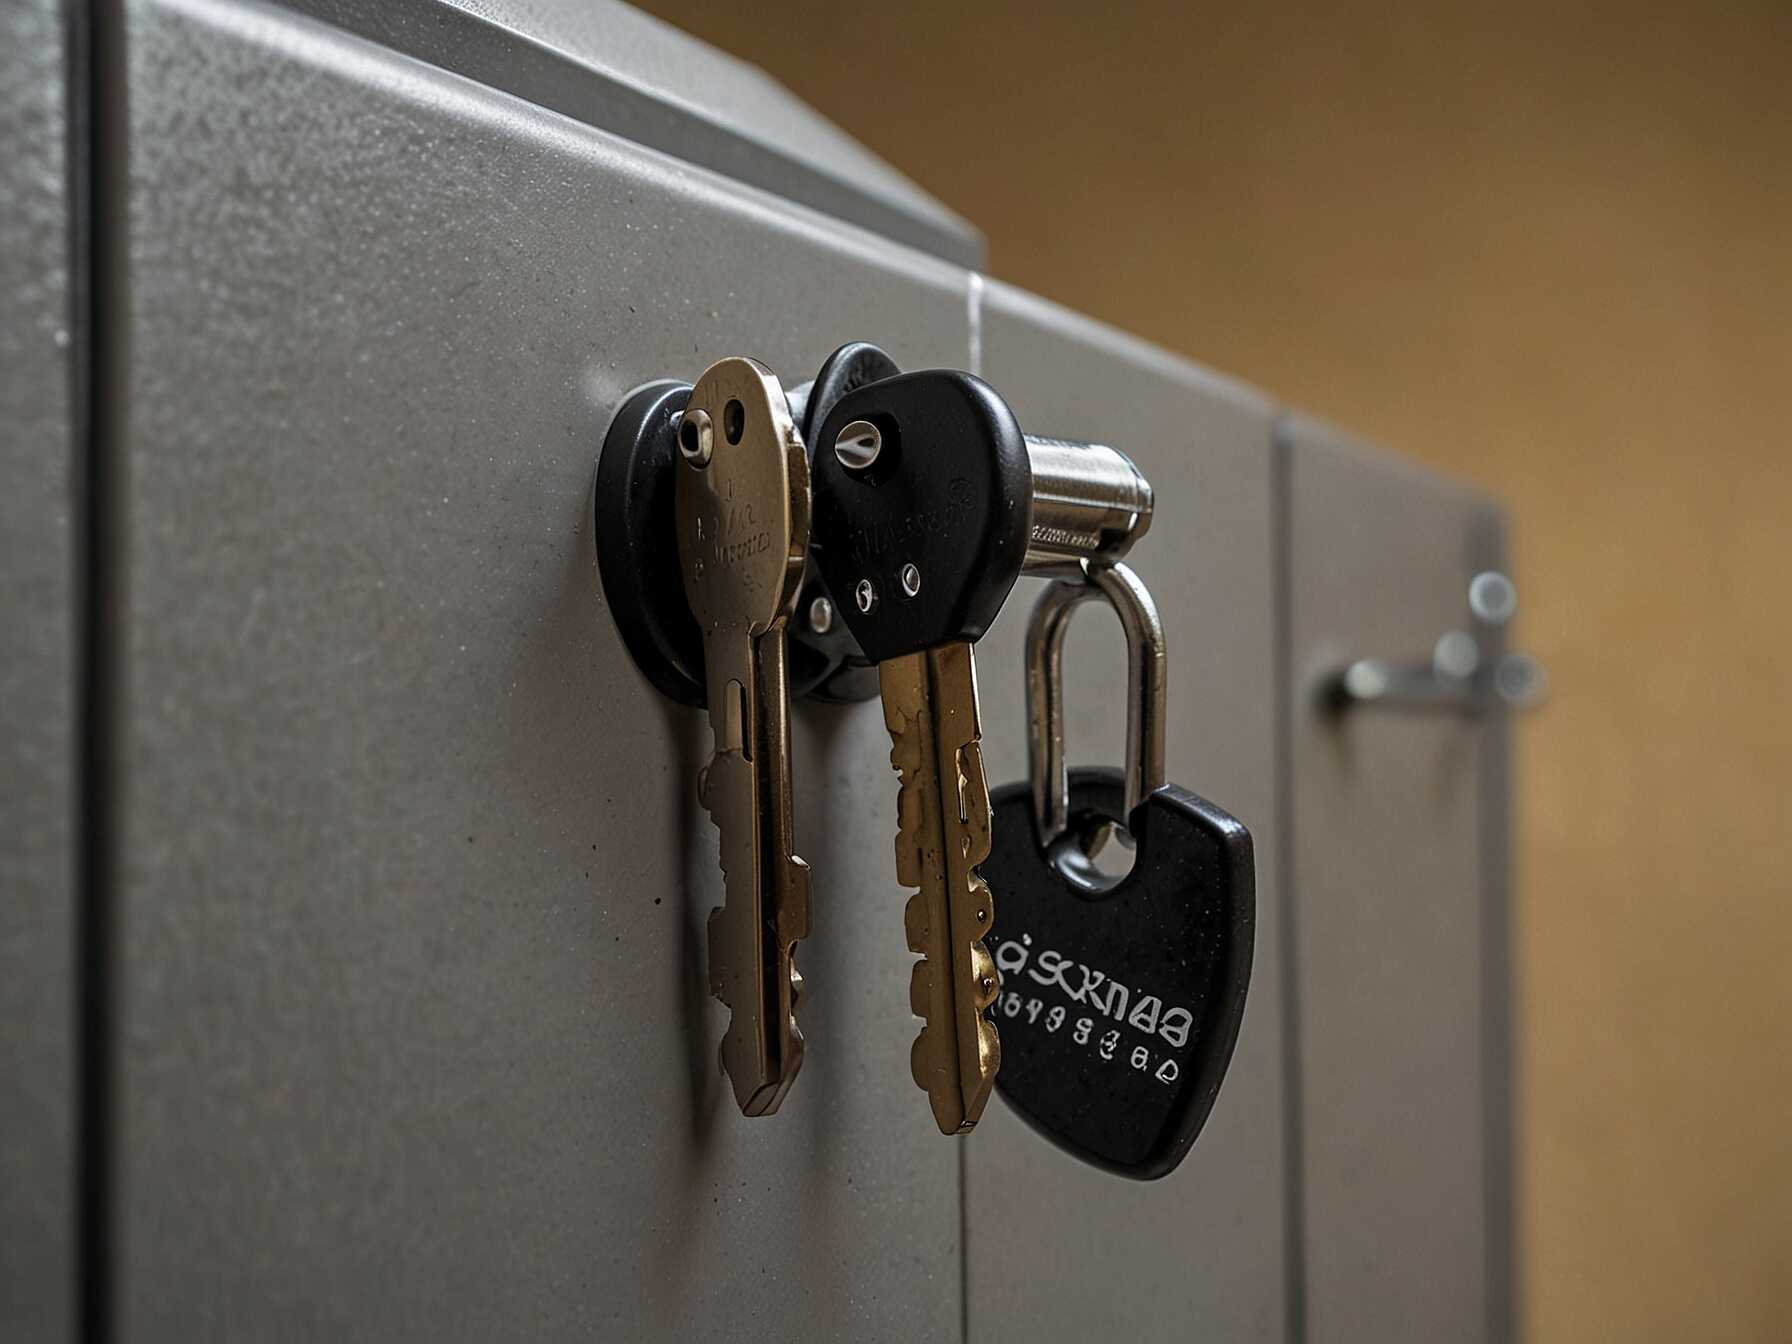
(1099, 999)
(1082, 1031)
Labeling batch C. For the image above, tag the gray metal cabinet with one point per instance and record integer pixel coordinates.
(412, 877)
(404, 878)
(1059, 1250)
(39, 733)
(1398, 914)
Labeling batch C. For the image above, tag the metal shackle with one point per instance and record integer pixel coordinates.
(1146, 676)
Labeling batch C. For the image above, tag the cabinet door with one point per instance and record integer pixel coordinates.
(40, 743)
(1398, 922)
(1057, 1249)
(415, 1039)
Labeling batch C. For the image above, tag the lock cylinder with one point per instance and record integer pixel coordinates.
(1090, 503)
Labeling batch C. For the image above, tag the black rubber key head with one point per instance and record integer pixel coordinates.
(1119, 1008)
(852, 366)
(949, 492)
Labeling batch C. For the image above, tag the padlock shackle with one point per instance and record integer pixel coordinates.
(1146, 678)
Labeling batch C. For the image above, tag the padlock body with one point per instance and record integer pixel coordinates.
(1120, 1002)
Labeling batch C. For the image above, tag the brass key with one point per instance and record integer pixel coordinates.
(922, 509)
(743, 532)
(943, 833)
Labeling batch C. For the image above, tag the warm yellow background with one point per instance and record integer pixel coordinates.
(1549, 250)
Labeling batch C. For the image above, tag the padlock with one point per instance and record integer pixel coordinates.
(1121, 998)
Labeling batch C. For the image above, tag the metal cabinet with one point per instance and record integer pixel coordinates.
(1059, 1250)
(412, 882)
(40, 738)
(406, 1032)
(1395, 876)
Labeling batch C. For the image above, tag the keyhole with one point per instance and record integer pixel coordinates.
(734, 420)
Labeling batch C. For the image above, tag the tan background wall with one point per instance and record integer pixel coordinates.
(1549, 250)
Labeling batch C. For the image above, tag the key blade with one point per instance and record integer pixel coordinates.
(943, 831)
(731, 795)
(766, 903)
(786, 901)
(967, 824)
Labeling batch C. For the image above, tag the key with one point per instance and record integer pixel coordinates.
(922, 510)
(742, 510)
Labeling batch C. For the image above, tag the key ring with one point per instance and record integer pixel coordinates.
(1146, 677)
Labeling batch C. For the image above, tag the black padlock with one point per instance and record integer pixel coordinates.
(1121, 999)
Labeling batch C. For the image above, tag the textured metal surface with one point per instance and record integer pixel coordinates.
(415, 1041)
(1387, 896)
(630, 74)
(1058, 1250)
(37, 683)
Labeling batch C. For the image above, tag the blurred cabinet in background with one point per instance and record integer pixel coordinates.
(1398, 919)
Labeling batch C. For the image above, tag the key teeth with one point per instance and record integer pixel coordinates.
(920, 986)
(979, 817)
(989, 1064)
(941, 1096)
(910, 801)
(908, 758)
(793, 927)
(942, 1092)
(938, 1062)
(794, 915)
(717, 989)
(794, 922)
(711, 805)
(915, 924)
(939, 1085)
(984, 975)
(956, 1109)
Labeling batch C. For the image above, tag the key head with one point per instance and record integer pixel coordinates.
(1150, 972)
(742, 500)
(923, 501)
